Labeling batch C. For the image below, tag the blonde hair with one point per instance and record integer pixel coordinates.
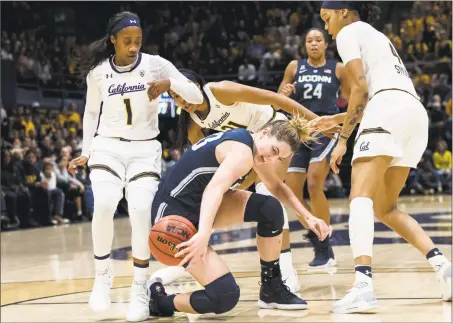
(293, 131)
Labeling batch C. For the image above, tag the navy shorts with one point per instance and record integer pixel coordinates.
(315, 152)
(165, 206)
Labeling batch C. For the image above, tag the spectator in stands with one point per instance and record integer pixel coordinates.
(442, 164)
(247, 73)
(72, 188)
(17, 198)
(55, 195)
(28, 124)
(40, 201)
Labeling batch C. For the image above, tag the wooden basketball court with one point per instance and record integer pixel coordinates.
(47, 274)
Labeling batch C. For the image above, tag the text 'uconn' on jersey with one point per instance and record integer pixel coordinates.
(317, 87)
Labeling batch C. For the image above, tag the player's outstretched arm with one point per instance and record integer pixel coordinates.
(91, 115)
(229, 91)
(236, 160)
(284, 194)
(180, 84)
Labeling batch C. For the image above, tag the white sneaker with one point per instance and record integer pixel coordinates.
(138, 309)
(168, 275)
(360, 298)
(292, 281)
(100, 295)
(443, 275)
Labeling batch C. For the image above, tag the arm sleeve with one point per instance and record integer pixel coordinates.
(180, 84)
(91, 115)
(348, 45)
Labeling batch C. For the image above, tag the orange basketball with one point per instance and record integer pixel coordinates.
(166, 234)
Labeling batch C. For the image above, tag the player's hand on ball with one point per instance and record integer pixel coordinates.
(288, 89)
(195, 248)
(156, 88)
(319, 227)
(337, 156)
(73, 164)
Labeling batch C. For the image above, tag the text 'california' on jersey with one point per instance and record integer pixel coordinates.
(383, 67)
(186, 181)
(223, 117)
(317, 87)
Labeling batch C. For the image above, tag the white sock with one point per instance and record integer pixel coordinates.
(361, 226)
(286, 263)
(437, 261)
(360, 277)
(140, 274)
(101, 265)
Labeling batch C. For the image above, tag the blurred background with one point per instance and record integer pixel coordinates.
(42, 103)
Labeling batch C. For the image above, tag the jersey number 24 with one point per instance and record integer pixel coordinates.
(309, 93)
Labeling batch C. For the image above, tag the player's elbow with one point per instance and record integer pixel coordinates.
(360, 92)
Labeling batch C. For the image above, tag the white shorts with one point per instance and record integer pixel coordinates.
(126, 160)
(394, 124)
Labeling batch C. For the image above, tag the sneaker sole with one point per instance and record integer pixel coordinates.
(446, 291)
(291, 307)
(330, 263)
(359, 307)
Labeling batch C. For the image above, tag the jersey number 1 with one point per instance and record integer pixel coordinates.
(127, 105)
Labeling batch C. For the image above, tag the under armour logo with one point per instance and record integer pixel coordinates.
(367, 273)
(108, 75)
(133, 21)
(436, 252)
(364, 146)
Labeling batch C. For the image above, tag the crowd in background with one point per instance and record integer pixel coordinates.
(216, 39)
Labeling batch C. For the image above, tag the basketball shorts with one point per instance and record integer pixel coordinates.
(395, 124)
(126, 160)
(163, 205)
(313, 152)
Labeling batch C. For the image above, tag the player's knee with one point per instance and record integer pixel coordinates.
(268, 212)
(315, 185)
(220, 296)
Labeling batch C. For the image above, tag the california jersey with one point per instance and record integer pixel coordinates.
(317, 87)
(223, 117)
(125, 108)
(383, 67)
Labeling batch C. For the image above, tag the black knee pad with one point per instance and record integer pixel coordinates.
(218, 297)
(268, 212)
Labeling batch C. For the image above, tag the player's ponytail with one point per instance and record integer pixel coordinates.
(99, 50)
(368, 11)
(184, 118)
(293, 131)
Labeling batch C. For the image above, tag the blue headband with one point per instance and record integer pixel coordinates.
(124, 23)
(336, 5)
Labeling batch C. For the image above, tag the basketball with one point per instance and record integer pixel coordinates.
(166, 234)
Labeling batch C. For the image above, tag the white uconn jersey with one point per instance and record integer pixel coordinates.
(383, 67)
(239, 115)
(126, 111)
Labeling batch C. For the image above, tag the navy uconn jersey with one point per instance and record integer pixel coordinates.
(185, 182)
(317, 87)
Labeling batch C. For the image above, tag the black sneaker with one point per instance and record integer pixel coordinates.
(275, 294)
(157, 291)
(324, 256)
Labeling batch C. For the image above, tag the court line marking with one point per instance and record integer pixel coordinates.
(252, 273)
(241, 300)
